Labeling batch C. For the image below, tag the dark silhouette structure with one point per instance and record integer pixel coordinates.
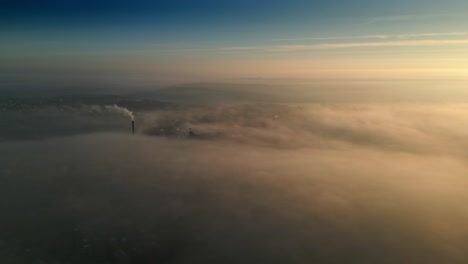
(133, 127)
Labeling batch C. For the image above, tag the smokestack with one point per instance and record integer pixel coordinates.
(133, 127)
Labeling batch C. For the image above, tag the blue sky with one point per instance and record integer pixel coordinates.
(163, 35)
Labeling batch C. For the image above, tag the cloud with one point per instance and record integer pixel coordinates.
(381, 36)
(400, 18)
(417, 35)
(351, 45)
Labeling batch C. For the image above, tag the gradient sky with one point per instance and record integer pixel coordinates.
(208, 39)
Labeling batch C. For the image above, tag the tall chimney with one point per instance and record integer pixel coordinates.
(133, 127)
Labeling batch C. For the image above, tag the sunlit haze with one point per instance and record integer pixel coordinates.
(213, 131)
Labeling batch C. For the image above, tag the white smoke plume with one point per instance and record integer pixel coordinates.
(105, 109)
(118, 109)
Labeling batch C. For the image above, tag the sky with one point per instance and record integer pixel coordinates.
(211, 40)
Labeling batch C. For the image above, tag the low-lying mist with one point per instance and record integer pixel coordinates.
(256, 183)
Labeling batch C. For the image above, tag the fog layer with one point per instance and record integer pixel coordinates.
(256, 183)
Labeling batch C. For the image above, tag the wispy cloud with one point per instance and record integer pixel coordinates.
(386, 19)
(430, 35)
(328, 46)
(381, 36)
(374, 42)
(335, 38)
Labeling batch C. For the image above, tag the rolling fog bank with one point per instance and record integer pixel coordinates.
(110, 198)
(259, 182)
